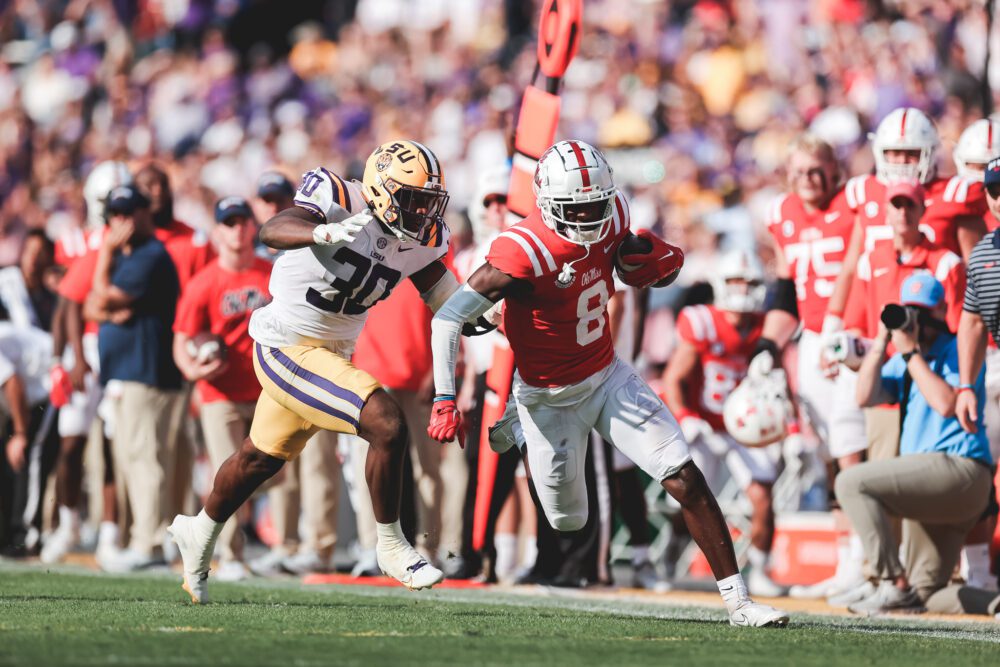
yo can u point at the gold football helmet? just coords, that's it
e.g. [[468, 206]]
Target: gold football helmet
[[404, 184]]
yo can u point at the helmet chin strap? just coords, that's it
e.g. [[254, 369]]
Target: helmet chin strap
[[566, 275]]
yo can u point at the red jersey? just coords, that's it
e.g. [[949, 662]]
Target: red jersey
[[78, 281], [946, 200], [76, 242], [221, 301], [813, 244], [559, 332], [189, 249], [881, 274], [724, 351]]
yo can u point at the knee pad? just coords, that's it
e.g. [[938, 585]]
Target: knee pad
[[567, 523]]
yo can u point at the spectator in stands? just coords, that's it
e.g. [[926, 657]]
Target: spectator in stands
[[940, 482], [134, 297], [219, 300]]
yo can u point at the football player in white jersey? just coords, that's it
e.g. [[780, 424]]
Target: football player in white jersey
[[346, 248]]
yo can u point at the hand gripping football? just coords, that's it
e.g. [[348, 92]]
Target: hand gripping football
[[644, 260]]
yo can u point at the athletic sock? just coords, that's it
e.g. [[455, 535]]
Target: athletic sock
[[734, 591], [207, 528], [107, 535], [530, 552], [390, 537], [975, 567], [506, 546], [640, 554], [69, 518]]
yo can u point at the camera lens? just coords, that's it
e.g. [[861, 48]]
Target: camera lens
[[894, 316]]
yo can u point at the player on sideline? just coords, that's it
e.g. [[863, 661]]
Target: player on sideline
[[554, 271], [347, 248]]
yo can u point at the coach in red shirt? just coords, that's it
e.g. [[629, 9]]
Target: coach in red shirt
[[880, 275], [219, 299]]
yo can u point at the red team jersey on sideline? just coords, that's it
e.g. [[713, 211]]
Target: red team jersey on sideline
[[945, 198], [559, 334], [880, 276], [813, 245], [189, 249], [724, 352], [221, 301], [76, 242]]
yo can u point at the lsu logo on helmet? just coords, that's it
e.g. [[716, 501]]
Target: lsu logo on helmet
[[404, 184]]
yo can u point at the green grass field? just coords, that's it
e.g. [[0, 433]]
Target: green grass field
[[67, 617]]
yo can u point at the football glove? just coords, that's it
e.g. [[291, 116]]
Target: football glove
[[649, 268], [343, 232], [61, 386], [446, 421]]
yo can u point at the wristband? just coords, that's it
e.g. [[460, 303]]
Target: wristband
[[964, 387], [444, 397], [909, 355]]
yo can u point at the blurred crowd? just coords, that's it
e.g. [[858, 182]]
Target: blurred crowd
[[694, 102]]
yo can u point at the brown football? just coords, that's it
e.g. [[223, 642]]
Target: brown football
[[206, 347]]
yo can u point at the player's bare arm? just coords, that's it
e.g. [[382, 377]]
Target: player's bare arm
[[971, 356], [969, 229], [683, 364], [296, 227], [870, 391]]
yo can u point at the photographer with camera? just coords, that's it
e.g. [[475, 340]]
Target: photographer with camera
[[900, 250], [940, 482]]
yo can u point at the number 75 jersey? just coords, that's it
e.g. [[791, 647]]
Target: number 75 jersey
[[321, 294], [813, 244]]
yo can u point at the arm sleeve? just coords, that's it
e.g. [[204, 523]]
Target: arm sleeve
[[442, 290], [892, 377], [323, 193], [446, 330], [509, 253]]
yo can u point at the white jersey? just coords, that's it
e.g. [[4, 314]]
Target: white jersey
[[323, 293], [25, 352]]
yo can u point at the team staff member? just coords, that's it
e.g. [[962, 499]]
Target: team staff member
[[940, 482], [134, 297], [879, 276], [219, 299]]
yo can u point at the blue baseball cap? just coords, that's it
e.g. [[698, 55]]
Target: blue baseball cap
[[992, 174], [274, 183], [228, 207], [921, 289], [124, 200]]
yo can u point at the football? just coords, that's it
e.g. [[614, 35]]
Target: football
[[636, 244], [205, 347]]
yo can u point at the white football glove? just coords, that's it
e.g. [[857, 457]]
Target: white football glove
[[694, 428], [761, 365], [343, 232]]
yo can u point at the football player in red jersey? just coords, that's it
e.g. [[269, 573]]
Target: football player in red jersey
[[905, 147], [811, 226], [554, 272], [710, 361]]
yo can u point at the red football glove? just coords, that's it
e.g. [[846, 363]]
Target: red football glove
[[446, 421], [61, 388], [659, 265]]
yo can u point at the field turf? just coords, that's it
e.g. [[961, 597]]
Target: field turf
[[70, 617]]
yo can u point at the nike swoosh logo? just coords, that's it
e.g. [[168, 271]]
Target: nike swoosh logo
[[406, 249], [608, 247], [830, 217], [881, 272]]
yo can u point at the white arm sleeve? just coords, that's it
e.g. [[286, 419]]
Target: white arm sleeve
[[436, 296], [446, 331]]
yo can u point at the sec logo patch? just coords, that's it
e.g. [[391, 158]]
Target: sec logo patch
[[871, 209]]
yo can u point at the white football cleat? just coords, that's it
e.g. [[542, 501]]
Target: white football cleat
[[501, 434], [58, 544], [755, 615], [196, 556], [232, 570], [408, 567], [828, 587]]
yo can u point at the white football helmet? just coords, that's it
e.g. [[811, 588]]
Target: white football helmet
[[907, 129], [979, 143], [737, 297], [103, 178], [574, 173], [757, 412]]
